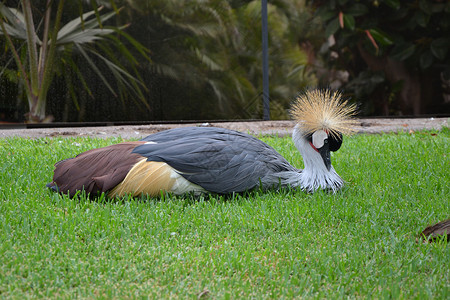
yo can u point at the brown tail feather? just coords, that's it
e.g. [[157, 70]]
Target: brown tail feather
[[96, 170]]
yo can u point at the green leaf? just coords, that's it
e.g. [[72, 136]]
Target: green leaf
[[426, 59], [86, 36], [114, 6], [331, 4], [16, 22], [402, 51], [95, 68], [325, 14], [120, 74], [81, 32], [208, 61], [137, 45], [11, 75], [425, 6], [395, 4], [422, 19], [332, 27], [439, 47], [349, 22], [357, 10], [73, 25], [381, 37], [75, 70]]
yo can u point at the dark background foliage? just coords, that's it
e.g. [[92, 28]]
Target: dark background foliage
[[396, 53], [390, 56]]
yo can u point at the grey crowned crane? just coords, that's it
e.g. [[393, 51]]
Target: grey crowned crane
[[215, 160]]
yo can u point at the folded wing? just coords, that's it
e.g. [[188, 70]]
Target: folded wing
[[219, 160]]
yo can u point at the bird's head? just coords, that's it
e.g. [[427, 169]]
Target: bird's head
[[322, 119], [321, 142]]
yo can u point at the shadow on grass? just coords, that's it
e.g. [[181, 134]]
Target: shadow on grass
[[188, 199]]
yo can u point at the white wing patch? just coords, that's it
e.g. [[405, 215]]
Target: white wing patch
[[182, 185]]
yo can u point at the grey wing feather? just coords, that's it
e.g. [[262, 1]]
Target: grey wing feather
[[219, 160], [187, 133]]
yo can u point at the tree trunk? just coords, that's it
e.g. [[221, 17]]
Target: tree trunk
[[36, 112]]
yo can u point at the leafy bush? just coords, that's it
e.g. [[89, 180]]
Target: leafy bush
[[396, 52]]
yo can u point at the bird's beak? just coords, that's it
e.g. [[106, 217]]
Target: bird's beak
[[324, 151]]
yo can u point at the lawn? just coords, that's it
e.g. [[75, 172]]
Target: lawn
[[358, 243]]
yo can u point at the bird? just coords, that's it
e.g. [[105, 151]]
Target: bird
[[433, 232], [215, 160]]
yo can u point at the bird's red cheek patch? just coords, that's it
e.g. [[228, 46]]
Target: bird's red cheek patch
[[313, 147]]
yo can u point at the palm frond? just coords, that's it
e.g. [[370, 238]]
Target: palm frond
[[85, 36], [77, 26], [208, 61], [95, 68], [136, 45], [16, 24]]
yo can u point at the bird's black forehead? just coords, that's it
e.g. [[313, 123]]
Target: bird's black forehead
[[335, 142]]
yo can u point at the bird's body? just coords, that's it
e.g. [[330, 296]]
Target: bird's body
[[436, 231], [199, 160], [188, 159]]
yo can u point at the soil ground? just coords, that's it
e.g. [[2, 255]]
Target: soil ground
[[280, 128]]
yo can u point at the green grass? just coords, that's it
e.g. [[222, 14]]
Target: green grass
[[358, 243]]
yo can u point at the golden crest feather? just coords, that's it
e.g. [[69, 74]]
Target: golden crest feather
[[323, 110]]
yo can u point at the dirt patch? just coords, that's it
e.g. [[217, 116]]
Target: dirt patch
[[280, 128]]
